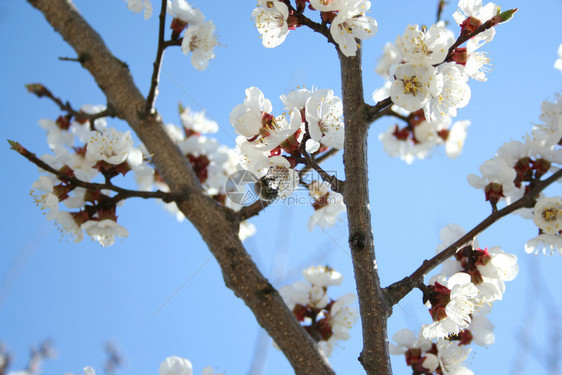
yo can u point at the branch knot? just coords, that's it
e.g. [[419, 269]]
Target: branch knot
[[358, 241]]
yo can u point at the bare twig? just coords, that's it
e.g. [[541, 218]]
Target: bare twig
[[41, 91], [378, 110], [440, 6], [335, 184], [75, 59], [492, 22], [153, 92], [320, 28], [251, 210], [400, 289]]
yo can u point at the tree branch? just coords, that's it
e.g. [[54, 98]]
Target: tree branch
[[335, 184], [492, 22], [255, 208], [378, 110], [92, 186], [314, 26], [153, 92], [400, 289], [216, 224], [41, 91], [372, 304]]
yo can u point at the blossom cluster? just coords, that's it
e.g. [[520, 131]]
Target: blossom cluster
[[426, 75], [272, 146], [173, 365], [83, 150], [87, 154], [459, 298], [347, 21], [327, 205], [419, 137], [519, 166], [211, 162], [198, 35], [326, 320]]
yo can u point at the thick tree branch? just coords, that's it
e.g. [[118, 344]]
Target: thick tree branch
[[216, 224], [373, 308], [400, 289]]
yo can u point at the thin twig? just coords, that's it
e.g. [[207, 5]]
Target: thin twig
[[320, 28], [336, 184], [400, 289], [440, 6], [376, 111], [153, 92], [41, 91], [75, 59], [92, 186], [388, 111], [492, 22]]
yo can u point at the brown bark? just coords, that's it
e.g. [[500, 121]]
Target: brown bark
[[217, 225], [372, 304]]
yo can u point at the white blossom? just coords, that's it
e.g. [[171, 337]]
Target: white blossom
[[184, 11], [558, 63], [44, 197], [109, 145], [343, 317], [197, 121], [458, 309], [328, 5], [494, 171], [390, 57], [406, 340], [324, 113], [247, 117], [451, 358], [413, 85], [351, 23], [137, 6], [175, 366], [104, 231], [200, 40], [327, 207], [322, 276], [482, 330], [246, 230], [426, 46], [474, 8], [453, 93], [544, 243], [271, 22], [548, 215], [455, 140]]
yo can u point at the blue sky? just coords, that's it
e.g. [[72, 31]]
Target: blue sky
[[82, 295]]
